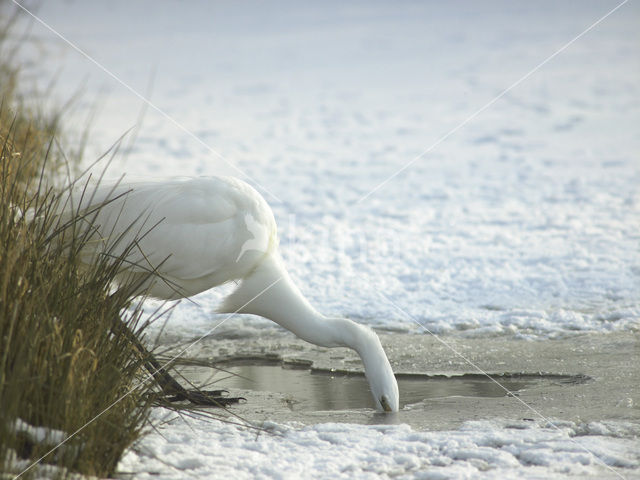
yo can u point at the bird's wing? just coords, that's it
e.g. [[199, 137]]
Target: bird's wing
[[184, 229]]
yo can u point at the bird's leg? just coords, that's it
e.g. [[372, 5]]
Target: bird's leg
[[169, 385]]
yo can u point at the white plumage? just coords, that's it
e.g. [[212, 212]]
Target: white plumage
[[200, 233]]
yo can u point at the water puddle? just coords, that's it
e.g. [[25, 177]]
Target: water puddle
[[308, 389]]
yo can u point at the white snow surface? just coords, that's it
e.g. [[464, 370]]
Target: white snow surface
[[520, 219], [422, 171], [479, 449]]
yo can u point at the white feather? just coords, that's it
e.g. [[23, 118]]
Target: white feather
[[191, 231], [199, 233]]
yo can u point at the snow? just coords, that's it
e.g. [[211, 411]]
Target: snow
[[522, 221], [44, 436], [480, 449], [407, 195], [38, 434]]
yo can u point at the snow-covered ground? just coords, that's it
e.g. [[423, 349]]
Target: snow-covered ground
[[496, 450], [422, 170]]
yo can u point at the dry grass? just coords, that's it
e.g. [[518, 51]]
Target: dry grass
[[61, 364]]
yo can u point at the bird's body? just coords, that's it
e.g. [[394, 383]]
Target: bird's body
[[191, 230], [196, 234]]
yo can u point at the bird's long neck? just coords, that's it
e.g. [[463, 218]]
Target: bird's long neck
[[270, 292]]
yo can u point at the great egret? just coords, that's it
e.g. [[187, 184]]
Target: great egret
[[199, 233]]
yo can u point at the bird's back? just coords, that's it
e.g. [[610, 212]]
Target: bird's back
[[195, 233]]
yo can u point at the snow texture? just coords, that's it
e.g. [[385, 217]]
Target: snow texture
[[481, 449], [423, 173], [523, 220]]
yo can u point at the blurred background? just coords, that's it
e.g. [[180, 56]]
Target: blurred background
[[421, 168]]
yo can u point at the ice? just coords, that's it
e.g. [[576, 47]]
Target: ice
[[402, 201]]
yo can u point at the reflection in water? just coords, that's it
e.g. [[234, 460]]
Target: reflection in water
[[311, 391]]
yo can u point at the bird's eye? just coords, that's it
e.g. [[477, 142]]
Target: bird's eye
[[384, 403]]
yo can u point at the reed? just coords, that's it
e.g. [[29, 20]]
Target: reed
[[63, 366]]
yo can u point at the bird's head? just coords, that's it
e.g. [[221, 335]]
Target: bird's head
[[384, 387], [382, 381]]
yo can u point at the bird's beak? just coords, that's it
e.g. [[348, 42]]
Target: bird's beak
[[385, 404]]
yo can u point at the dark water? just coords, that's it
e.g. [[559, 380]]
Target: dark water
[[323, 390]]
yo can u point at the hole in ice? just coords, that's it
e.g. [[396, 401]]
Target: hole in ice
[[316, 389]]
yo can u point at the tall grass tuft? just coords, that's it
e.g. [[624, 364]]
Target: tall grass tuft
[[64, 368]]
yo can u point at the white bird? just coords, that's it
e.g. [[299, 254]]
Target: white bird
[[199, 233]]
